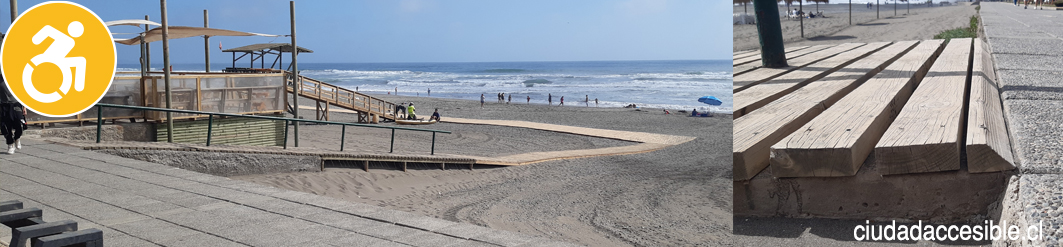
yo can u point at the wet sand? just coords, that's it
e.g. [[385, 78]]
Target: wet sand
[[921, 24], [680, 195]]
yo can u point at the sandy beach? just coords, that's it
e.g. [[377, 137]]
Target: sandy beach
[[923, 23], [678, 196]]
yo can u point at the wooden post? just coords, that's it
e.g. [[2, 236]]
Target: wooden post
[[850, 12], [366, 165], [166, 71], [14, 10], [770, 33], [147, 47], [801, 8], [298, 87], [206, 42]]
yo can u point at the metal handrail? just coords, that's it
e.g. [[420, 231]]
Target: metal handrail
[[210, 123]]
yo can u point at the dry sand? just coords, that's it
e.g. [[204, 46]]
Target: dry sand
[[923, 23], [678, 196]]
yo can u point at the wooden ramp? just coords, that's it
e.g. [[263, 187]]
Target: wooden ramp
[[328, 95], [838, 141], [748, 64], [753, 77], [758, 95], [754, 55], [925, 137], [917, 106], [755, 133], [988, 143], [647, 142]]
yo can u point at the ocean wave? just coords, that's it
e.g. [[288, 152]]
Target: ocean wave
[[503, 71], [532, 82]]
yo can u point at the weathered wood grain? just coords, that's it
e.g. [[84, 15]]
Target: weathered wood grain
[[758, 95], [837, 142], [791, 57], [926, 135], [759, 75], [791, 52], [755, 133], [988, 143]]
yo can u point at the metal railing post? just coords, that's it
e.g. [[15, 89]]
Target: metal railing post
[[285, 134], [392, 141], [210, 127], [433, 143], [99, 122], [343, 137]]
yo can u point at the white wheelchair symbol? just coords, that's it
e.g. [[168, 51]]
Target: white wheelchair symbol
[[56, 54]]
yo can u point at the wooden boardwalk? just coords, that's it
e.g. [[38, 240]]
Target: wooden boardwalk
[[915, 106], [326, 95]]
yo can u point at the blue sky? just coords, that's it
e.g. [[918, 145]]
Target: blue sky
[[374, 31]]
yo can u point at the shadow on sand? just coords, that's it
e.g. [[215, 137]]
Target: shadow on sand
[[839, 37]]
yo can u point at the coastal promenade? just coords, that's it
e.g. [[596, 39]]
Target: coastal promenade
[[1025, 45], [138, 203]]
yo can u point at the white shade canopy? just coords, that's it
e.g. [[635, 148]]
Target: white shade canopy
[[177, 32]]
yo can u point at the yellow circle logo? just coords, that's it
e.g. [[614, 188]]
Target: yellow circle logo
[[58, 59]]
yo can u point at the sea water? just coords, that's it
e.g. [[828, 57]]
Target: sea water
[[652, 84]]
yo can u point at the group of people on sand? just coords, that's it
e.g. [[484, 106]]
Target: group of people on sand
[[410, 113], [549, 99], [801, 14]]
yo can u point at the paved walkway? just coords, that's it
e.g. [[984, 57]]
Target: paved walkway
[[1026, 46], [138, 203]]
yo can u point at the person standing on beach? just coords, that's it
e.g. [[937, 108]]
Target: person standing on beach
[[587, 100], [529, 99], [510, 99], [429, 92], [400, 109], [562, 101], [549, 99], [482, 99], [595, 102]]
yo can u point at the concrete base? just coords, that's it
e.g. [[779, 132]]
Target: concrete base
[[937, 197]]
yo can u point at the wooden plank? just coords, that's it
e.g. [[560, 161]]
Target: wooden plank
[[988, 143], [926, 135], [742, 81], [791, 52], [754, 97], [755, 133], [752, 53], [838, 141]]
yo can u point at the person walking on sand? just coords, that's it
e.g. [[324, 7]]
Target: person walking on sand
[[510, 99], [482, 99], [587, 100], [562, 101]]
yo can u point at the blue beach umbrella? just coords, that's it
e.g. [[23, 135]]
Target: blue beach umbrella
[[711, 100]]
